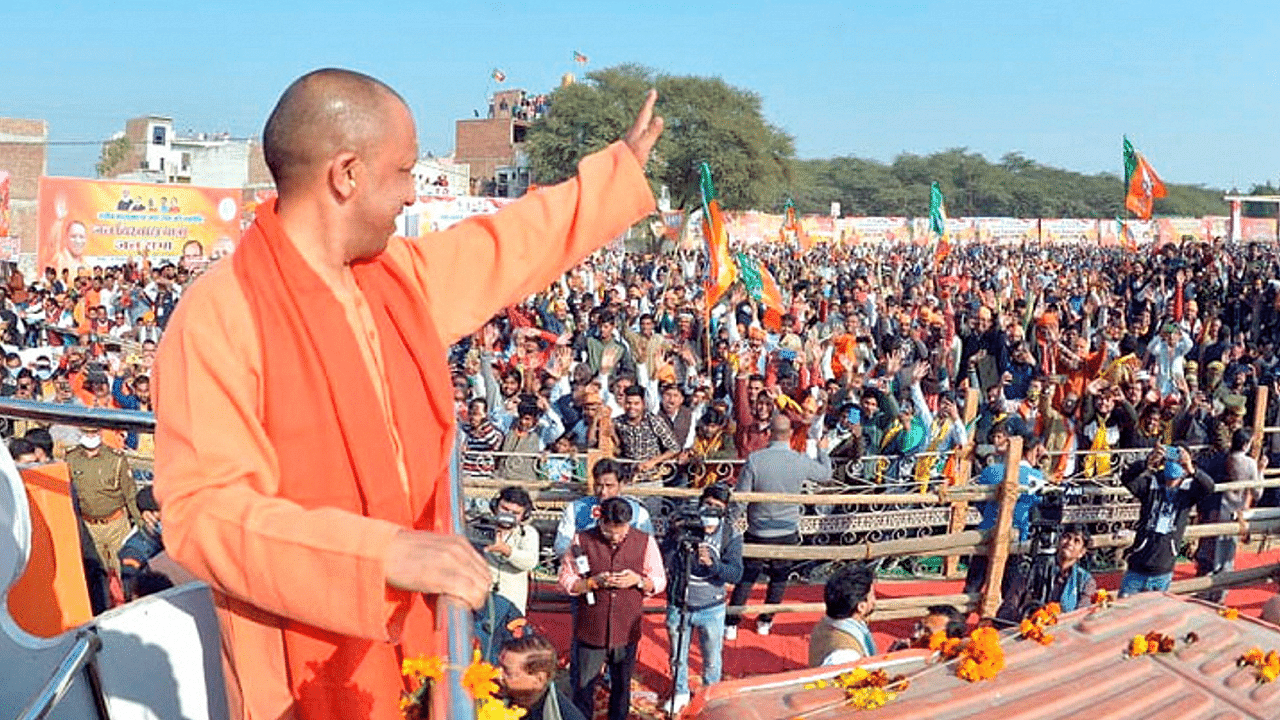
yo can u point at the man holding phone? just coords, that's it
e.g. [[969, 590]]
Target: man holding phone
[[614, 567]]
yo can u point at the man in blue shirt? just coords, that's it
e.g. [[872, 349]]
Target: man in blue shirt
[[1031, 480], [584, 513]]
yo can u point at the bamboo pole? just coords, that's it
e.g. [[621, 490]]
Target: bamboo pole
[[1259, 420], [959, 508], [1233, 578], [1009, 491]]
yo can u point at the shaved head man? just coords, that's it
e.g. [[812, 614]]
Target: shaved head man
[[774, 469], [304, 403]]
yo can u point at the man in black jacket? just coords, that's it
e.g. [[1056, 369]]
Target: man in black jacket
[[712, 560], [1168, 485]]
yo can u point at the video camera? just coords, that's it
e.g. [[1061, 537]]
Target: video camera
[[482, 530], [685, 526], [1045, 529]]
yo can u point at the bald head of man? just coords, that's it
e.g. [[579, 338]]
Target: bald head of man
[[780, 427], [341, 146]]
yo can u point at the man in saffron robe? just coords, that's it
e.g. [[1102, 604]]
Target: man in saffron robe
[[304, 401]]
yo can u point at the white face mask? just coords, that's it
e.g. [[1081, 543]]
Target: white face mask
[[710, 523], [90, 441]]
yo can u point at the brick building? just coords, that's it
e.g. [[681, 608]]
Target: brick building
[[24, 155], [494, 146]]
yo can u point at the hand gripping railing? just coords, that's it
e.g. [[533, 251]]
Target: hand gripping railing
[[450, 699]]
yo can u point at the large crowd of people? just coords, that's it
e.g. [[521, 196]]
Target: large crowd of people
[[889, 356]]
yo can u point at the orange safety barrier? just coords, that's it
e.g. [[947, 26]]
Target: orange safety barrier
[[51, 596]]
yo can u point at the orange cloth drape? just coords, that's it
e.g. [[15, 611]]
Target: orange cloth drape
[[295, 556]]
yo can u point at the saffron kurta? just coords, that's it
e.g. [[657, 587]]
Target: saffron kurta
[[267, 556]]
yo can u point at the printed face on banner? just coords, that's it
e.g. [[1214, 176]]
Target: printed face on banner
[[91, 222]]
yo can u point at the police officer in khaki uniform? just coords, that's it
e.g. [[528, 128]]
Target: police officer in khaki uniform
[[106, 494]]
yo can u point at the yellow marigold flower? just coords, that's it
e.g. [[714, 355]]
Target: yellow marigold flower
[[1230, 613], [480, 680], [1138, 646], [423, 668], [492, 709]]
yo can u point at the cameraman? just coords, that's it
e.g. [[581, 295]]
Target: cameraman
[[1072, 586], [514, 550], [710, 541], [1168, 485]]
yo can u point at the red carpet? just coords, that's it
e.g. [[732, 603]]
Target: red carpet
[[787, 646]]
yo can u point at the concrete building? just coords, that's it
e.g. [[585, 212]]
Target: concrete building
[[441, 177], [156, 153], [24, 155], [493, 146]]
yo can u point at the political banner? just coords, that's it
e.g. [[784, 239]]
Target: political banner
[[818, 229], [752, 227], [433, 214], [1008, 231], [960, 231], [1258, 229], [1175, 231], [1069, 230], [873, 230], [96, 222]]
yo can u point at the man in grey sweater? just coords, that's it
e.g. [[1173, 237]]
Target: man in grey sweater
[[774, 469]]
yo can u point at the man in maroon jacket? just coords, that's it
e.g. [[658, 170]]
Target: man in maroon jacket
[[614, 567]]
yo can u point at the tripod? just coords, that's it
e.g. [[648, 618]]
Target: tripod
[[1041, 567], [688, 554]]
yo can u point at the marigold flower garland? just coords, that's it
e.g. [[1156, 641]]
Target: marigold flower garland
[[1033, 628], [480, 679], [865, 689], [981, 658], [1268, 665]]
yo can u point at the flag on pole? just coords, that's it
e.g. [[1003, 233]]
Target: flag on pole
[[764, 289], [791, 227], [722, 270], [1142, 185], [579, 58], [1127, 240], [938, 222], [499, 76]]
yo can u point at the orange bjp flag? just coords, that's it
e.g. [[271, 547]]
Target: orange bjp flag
[[722, 270], [1142, 185]]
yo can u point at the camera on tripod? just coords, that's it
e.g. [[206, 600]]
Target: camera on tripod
[[686, 528], [1045, 529]]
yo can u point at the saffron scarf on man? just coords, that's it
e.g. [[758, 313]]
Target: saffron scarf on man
[[329, 430]]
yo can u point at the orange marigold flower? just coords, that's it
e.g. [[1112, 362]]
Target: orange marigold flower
[[1253, 656], [1101, 597], [1268, 673], [480, 679], [937, 641], [1230, 613], [1054, 609]]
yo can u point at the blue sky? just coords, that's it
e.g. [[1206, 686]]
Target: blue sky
[[1190, 82]]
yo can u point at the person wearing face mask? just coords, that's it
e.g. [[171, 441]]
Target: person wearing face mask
[[107, 495], [699, 604], [514, 550]]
